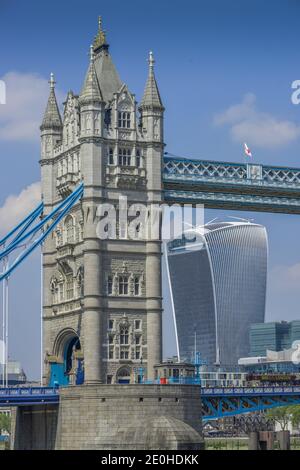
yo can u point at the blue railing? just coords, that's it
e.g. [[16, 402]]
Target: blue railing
[[31, 396], [249, 391]]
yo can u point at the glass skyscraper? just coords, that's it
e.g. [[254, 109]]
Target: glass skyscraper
[[273, 337], [218, 277]]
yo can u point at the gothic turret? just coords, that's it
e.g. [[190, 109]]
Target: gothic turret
[[52, 118], [151, 98], [51, 128], [91, 103], [51, 137], [90, 92], [151, 107]]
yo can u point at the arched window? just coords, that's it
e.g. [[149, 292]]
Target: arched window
[[137, 286], [124, 336], [70, 286], [69, 228]]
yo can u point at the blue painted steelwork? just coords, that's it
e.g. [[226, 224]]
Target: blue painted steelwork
[[28, 396], [231, 186], [223, 402], [55, 216], [24, 224], [216, 402]]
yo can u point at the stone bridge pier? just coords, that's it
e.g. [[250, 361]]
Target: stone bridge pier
[[114, 417]]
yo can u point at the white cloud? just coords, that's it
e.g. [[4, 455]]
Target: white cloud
[[16, 207], [248, 124], [26, 99], [285, 279]]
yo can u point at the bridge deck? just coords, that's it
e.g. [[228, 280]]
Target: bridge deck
[[216, 402], [232, 186], [28, 396]]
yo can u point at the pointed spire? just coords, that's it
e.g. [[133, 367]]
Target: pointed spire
[[100, 39], [151, 96], [52, 118], [91, 91]]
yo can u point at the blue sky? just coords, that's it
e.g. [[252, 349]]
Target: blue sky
[[224, 69]]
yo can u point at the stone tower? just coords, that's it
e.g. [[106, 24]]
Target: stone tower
[[102, 297]]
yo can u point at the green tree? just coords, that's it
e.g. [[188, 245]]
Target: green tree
[[4, 423], [285, 415]]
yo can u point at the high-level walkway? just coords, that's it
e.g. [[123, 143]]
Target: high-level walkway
[[232, 186]]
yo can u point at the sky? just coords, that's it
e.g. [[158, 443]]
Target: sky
[[225, 70]]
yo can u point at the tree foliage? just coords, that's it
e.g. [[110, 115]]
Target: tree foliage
[[284, 415], [4, 423]]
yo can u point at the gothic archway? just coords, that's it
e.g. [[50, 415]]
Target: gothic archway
[[123, 376], [67, 367]]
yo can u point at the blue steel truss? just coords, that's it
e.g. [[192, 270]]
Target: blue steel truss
[[224, 402], [232, 186]]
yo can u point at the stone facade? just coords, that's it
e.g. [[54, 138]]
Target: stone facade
[[104, 294]]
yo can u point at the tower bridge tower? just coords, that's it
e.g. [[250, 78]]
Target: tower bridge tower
[[102, 306]]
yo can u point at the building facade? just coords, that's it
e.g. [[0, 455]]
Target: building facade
[[102, 297], [218, 286], [276, 336]]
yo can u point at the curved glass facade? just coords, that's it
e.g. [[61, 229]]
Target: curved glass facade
[[218, 284]]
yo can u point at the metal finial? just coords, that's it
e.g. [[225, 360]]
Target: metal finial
[[52, 81], [151, 60], [100, 39]]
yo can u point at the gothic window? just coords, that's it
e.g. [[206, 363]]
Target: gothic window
[[124, 336], [137, 325], [123, 285], [60, 292], [59, 240], [111, 325], [54, 290], [137, 286], [138, 158], [124, 157], [137, 340], [111, 353], [107, 118], [70, 287], [111, 340], [138, 353], [69, 228], [124, 120], [124, 355], [111, 156], [110, 283]]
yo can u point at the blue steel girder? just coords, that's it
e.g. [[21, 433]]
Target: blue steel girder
[[27, 396], [221, 407], [232, 186]]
